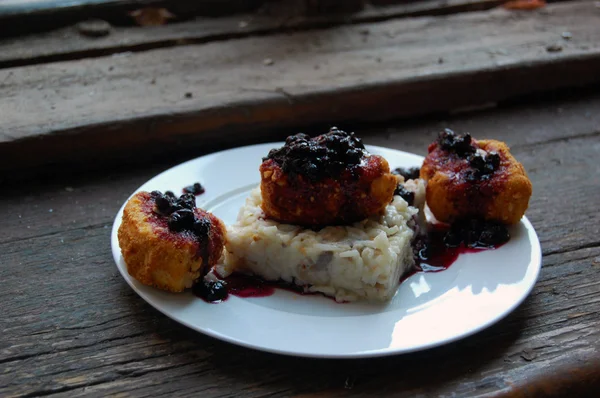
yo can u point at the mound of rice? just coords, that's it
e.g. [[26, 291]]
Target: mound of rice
[[363, 261]]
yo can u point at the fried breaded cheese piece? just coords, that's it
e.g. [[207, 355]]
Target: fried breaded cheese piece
[[160, 257], [467, 178], [327, 180]]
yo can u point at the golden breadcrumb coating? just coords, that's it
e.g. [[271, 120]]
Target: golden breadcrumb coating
[[452, 195], [156, 256], [330, 179], [354, 196]]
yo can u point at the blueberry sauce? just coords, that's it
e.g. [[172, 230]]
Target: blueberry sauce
[[195, 189], [327, 155], [443, 244], [408, 174], [211, 291], [183, 217], [476, 234], [407, 195], [459, 144], [249, 286], [180, 213], [482, 164], [240, 285], [245, 286]]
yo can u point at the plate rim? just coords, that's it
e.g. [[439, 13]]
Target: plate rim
[[535, 262]]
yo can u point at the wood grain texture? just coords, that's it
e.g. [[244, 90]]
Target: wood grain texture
[[67, 43], [101, 109], [74, 201], [72, 327], [18, 17]]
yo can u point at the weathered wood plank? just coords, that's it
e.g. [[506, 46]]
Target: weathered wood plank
[[71, 326], [17, 18], [77, 201], [98, 110], [21, 17], [67, 43], [29, 7], [99, 337]]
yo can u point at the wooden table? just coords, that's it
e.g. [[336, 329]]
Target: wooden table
[[75, 116]]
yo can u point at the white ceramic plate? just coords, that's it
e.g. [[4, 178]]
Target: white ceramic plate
[[429, 309]]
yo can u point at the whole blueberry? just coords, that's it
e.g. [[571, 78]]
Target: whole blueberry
[[196, 189], [181, 220], [201, 227], [477, 162], [211, 291], [164, 205], [459, 144], [453, 238], [187, 201], [493, 159], [493, 234], [405, 194], [408, 174]]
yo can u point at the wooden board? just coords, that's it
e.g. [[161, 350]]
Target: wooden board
[[99, 110], [71, 326], [18, 17], [68, 43], [83, 205]]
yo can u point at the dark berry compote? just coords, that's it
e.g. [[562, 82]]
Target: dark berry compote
[[411, 173], [195, 189], [442, 244], [327, 155], [327, 180], [187, 221], [215, 290]]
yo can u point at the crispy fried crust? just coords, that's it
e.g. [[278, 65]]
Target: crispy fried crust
[[356, 195], [158, 257], [450, 196]]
